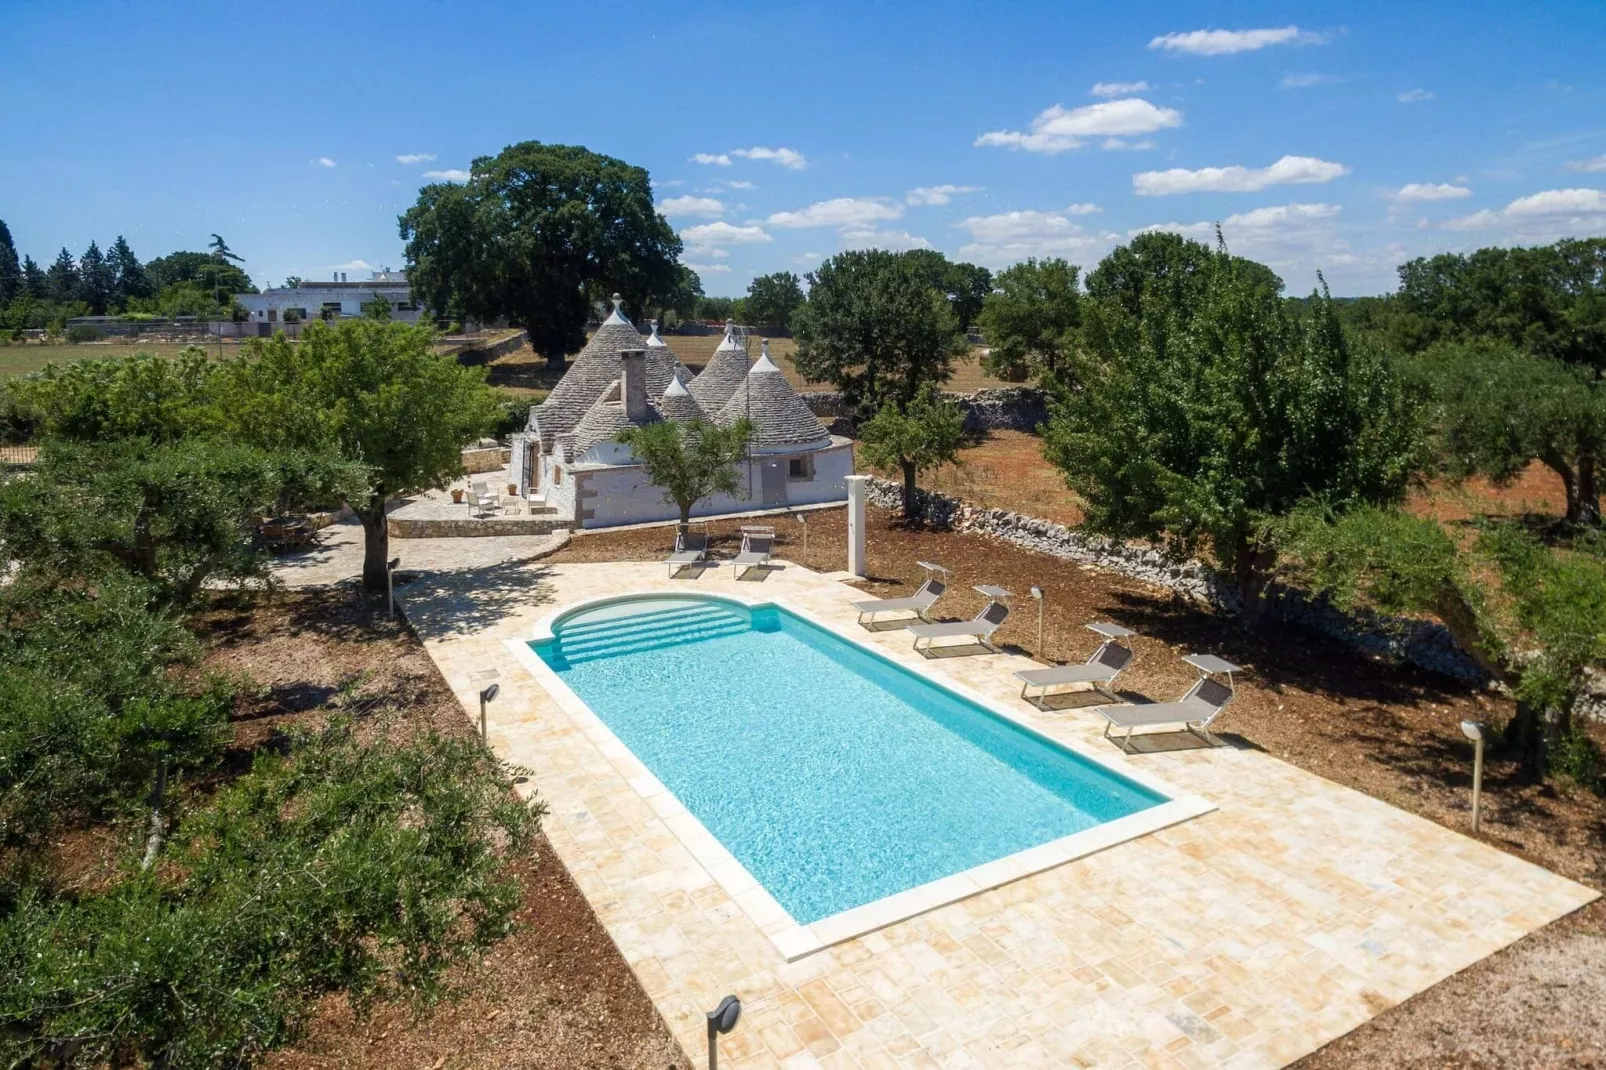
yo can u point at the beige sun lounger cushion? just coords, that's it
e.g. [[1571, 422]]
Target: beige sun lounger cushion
[[1102, 668], [917, 603]]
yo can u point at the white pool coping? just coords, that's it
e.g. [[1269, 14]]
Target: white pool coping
[[792, 939]]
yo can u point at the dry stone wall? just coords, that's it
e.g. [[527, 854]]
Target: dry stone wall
[[1424, 643]]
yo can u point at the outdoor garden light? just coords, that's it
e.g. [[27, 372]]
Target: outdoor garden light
[[1475, 732], [1037, 596], [722, 1019], [390, 585], [486, 697]]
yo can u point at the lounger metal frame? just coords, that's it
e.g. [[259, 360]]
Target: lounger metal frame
[[996, 597], [1112, 633]]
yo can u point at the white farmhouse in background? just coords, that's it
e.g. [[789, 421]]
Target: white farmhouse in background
[[333, 299], [569, 459]]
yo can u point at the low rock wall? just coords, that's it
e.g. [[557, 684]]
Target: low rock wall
[[1423, 643], [487, 459]]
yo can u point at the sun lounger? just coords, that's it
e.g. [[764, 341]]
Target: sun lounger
[[1100, 670], [1194, 711], [918, 603], [980, 627], [691, 548], [755, 553]]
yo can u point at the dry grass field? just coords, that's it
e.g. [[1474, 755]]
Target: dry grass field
[[20, 359]]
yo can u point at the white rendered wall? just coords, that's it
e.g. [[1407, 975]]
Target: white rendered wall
[[622, 495]]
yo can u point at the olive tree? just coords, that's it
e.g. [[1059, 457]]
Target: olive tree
[[920, 436], [373, 392], [690, 462], [1201, 437]]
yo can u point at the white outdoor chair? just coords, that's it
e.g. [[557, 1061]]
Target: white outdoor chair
[[1100, 670]]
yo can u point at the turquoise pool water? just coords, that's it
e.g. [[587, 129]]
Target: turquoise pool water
[[836, 777]]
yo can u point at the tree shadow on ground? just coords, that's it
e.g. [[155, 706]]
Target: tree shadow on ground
[[1283, 659], [462, 601]]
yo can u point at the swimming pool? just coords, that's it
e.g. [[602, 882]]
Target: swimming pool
[[834, 776]]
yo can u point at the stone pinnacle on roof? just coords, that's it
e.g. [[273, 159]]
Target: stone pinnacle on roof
[[678, 405], [781, 418], [660, 350], [722, 374], [594, 370]]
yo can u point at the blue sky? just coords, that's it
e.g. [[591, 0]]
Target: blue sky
[[1344, 138]]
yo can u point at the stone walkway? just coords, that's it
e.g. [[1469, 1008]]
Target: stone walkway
[[1245, 937], [337, 557]]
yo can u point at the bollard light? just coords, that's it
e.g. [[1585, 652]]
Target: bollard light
[[486, 697], [1037, 596], [1475, 731], [390, 585], [722, 1019]]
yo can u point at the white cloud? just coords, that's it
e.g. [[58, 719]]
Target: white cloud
[[1113, 144], [324, 161], [1429, 191], [934, 195], [1008, 237], [1227, 42], [1119, 89], [451, 174], [1290, 170], [1307, 80], [1059, 128], [741, 184], [1085, 208], [788, 158], [354, 265], [1590, 166], [1552, 213], [415, 157], [1415, 96], [896, 241], [725, 234], [689, 205], [705, 269], [718, 159], [714, 251], [840, 212]]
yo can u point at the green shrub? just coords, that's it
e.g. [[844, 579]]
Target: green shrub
[[371, 869], [1575, 756], [513, 417]]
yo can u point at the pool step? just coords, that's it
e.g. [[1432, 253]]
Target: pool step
[[655, 630]]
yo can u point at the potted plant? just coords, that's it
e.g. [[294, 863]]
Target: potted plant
[[457, 495], [512, 490]]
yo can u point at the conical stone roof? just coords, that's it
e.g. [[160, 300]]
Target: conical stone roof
[[678, 405], [594, 370], [659, 350], [605, 419], [722, 374], [781, 418]]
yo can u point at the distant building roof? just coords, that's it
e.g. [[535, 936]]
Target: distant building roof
[[780, 417]]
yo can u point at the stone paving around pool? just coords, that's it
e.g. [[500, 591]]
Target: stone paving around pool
[[1246, 937]]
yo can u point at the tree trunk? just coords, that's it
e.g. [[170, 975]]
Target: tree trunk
[[1569, 481], [1252, 572], [376, 543], [556, 362], [1588, 493], [685, 518], [909, 488], [1532, 731]]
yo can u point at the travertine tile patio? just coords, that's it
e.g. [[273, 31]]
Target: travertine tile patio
[[1246, 937]]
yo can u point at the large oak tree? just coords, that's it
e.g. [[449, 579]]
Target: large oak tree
[[535, 236]]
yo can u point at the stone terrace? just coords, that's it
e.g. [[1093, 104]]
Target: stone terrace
[[1246, 937]]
